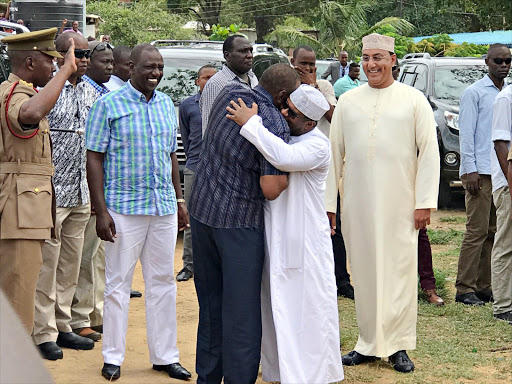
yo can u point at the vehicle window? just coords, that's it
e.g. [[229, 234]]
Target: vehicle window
[[408, 78], [180, 74], [450, 82], [421, 78], [262, 62]]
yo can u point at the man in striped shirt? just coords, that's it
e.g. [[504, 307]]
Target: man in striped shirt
[[135, 187]]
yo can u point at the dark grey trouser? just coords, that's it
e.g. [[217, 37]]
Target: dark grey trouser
[[188, 259]]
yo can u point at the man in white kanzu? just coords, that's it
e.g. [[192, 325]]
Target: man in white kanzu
[[383, 140], [300, 342]]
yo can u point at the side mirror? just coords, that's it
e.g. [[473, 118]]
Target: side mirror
[[432, 104]]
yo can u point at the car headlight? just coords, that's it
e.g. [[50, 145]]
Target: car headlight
[[452, 119], [451, 158]]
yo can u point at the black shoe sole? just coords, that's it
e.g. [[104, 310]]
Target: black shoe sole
[[78, 348], [110, 377], [52, 357], [161, 368]]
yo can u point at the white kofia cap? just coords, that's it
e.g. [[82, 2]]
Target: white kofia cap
[[376, 41], [310, 101]]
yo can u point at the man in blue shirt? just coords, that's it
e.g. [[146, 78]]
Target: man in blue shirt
[[135, 188], [473, 282], [226, 207], [346, 83], [192, 137]]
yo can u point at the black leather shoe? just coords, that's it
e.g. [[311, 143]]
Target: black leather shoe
[[507, 316], [50, 351], [176, 371], [135, 294], [111, 371], [346, 291], [485, 296], [355, 358], [468, 299], [184, 275], [401, 362], [73, 341]]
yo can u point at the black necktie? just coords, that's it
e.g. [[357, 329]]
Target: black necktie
[[342, 71]]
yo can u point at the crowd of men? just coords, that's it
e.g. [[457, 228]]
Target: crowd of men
[[267, 231]]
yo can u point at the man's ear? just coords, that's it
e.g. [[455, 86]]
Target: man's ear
[[310, 125], [29, 63], [281, 97], [197, 81]]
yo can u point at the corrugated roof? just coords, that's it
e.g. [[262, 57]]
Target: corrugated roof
[[480, 38]]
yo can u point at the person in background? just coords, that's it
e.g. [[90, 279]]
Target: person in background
[[121, 72], [237, 69], [501, 255], [191, 135], [473, 283], [346, 83], [87, 307], [337, 69], [74, 27]]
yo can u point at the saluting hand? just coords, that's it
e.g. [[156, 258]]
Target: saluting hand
[[69, 59], [241, 114]]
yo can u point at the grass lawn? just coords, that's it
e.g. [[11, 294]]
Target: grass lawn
[[456, 343]]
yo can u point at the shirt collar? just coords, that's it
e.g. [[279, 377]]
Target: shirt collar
[[232, 75], [139, 95], [489, 83]]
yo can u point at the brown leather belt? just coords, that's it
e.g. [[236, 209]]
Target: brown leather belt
[[26, 168]]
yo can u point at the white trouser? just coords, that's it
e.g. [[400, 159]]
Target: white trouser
[[152, 239]]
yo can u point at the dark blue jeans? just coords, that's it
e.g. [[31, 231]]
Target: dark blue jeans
[[228, 266]]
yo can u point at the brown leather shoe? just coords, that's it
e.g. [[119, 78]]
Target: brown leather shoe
[[88, 333], [433, 298]]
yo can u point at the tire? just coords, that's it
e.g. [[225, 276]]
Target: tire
[[444, 199]]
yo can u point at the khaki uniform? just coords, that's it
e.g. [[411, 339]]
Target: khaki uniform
[[26, 197]]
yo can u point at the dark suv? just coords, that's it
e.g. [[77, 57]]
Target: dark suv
[[442, 80]]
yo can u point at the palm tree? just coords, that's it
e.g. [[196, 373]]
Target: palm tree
[[342, 25]]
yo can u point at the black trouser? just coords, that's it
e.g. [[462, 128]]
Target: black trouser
[[340, 253], [228, 267]]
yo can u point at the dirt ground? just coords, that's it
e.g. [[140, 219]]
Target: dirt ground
[[85, 366]]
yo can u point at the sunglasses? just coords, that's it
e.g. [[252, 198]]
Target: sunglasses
[[101, 47], [499, 60], [80, 53]]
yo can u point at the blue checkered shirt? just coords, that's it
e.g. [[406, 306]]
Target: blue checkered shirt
[[101, 89], [137, 137], [226, 192]]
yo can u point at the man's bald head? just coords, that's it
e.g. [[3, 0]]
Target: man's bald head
[[62, 43]]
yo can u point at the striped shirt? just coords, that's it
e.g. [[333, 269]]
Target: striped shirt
[[137, 137], [217, 83], [101, 89], [226, 192]]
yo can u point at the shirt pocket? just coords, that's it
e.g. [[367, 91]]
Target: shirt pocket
[[34, 199]]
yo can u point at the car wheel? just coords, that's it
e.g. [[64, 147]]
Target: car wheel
[[445, 195]]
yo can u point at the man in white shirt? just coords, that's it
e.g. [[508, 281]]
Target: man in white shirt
[[121, 72], [501, 255], [298, 286]]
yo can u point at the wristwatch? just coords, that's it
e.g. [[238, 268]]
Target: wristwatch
[[180, 201]]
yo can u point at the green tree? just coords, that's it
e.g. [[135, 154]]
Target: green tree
[[141, 22]]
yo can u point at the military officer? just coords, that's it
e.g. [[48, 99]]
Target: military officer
[[26, 169]]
